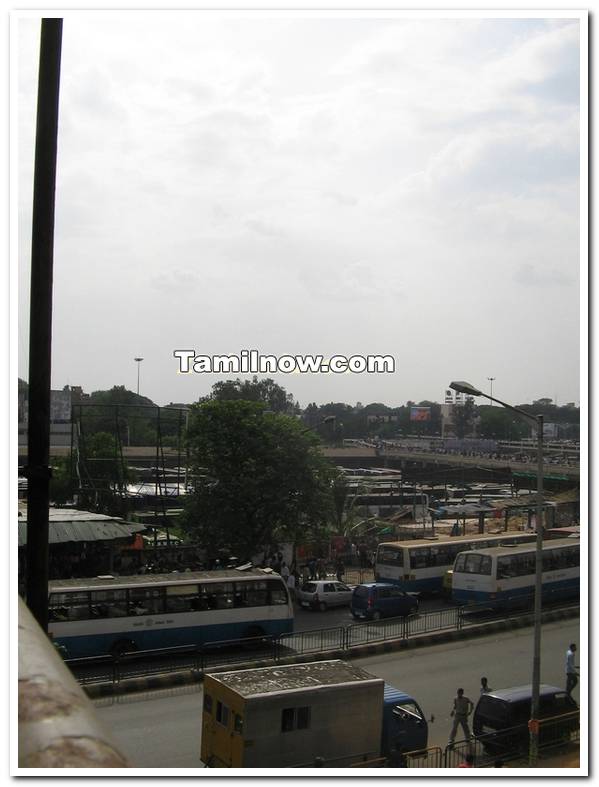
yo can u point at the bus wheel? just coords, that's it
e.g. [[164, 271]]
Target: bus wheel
[[123, 646], [253, 632], [322, 606]]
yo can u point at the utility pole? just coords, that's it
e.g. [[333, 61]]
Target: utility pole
[[138, 361], [40, 320]]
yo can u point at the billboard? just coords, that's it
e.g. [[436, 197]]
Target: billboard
[[420, 413]]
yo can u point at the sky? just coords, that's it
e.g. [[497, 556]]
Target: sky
[[327, 185]]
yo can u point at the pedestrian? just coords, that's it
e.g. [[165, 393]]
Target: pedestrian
[[312, 568], [284, 571], [340, 570], [291, 585], [321, 568], [571, 673], [462, 708], [468, 762], [484, 686]]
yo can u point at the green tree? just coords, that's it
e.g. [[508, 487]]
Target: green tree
[[61, 485], [501, 423], [103, 474], [132, 425], [463, 418], [260, 479], [271, 394]]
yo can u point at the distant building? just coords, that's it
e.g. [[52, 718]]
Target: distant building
[[381, 419], [60, 413]]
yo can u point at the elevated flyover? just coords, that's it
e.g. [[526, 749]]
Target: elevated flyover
[[369, 455], [365, 456]]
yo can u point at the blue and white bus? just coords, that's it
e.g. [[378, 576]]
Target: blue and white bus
[[505, 576], [116, 614], [419, 565]]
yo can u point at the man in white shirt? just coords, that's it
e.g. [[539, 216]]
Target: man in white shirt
[[291, 585], [571, 672]]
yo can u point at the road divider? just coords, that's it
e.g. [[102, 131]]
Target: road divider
[[344, 643]]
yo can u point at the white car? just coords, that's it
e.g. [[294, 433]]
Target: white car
[[324, 593]]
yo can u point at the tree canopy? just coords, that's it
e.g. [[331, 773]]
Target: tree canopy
[[266, 391], [260, 478]]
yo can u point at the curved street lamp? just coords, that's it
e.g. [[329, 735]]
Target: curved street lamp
[[533, 725]]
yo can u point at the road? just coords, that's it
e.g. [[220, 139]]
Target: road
[[162, 729]]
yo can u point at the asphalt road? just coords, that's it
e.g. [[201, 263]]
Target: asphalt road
[[162, 729]]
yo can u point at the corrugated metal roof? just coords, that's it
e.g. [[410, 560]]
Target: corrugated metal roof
[[78, 531]]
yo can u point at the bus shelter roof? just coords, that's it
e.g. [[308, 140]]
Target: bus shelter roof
[[69, 525]]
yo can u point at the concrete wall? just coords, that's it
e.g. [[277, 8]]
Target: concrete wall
[[58, 727]]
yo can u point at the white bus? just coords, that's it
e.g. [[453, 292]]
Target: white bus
[[116, 614], [505, 576], [419, 565]]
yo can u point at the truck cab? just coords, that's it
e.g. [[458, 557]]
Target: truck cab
[[404, 725]]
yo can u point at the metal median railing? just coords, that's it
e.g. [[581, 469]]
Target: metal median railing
[[199, 658], [315, 641]]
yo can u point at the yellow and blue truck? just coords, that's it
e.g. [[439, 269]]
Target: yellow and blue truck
[[291, 716]]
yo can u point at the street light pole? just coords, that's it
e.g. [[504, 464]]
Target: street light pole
[[138, 361], [536, 659], [490, 379], [326, 420], [533, 724]]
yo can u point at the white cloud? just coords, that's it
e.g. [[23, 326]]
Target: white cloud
[[310, 182]]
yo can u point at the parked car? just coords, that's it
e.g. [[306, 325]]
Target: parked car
[[501, 717], [322, 594], [381, 600]]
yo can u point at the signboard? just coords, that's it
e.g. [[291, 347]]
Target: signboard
[[420, 413]]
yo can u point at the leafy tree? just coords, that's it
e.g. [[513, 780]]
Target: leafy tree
[[132, 425], [463, 418], [261, 478], [271, 394], [101, 471], [500, 423], [61, 485]]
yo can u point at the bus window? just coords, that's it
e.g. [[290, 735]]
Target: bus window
[[251, 594], [420, 558], [220, 595], [75, 606], [477, 564], [390, 556], [181, 598], [109, 603], [146, 601], [278, 592], [503, 568]]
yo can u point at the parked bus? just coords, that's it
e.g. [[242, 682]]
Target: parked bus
[[117, 614], [419, 565], [505, 576]]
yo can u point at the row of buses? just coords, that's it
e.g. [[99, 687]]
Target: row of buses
[[496, 571], [109, 614]]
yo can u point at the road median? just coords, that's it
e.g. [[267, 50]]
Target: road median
[[189, 676]]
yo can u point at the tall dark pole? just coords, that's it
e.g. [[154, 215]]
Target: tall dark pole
[[40, 320], [533, 751]]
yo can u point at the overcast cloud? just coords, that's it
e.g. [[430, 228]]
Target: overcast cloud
[[391, 186]]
